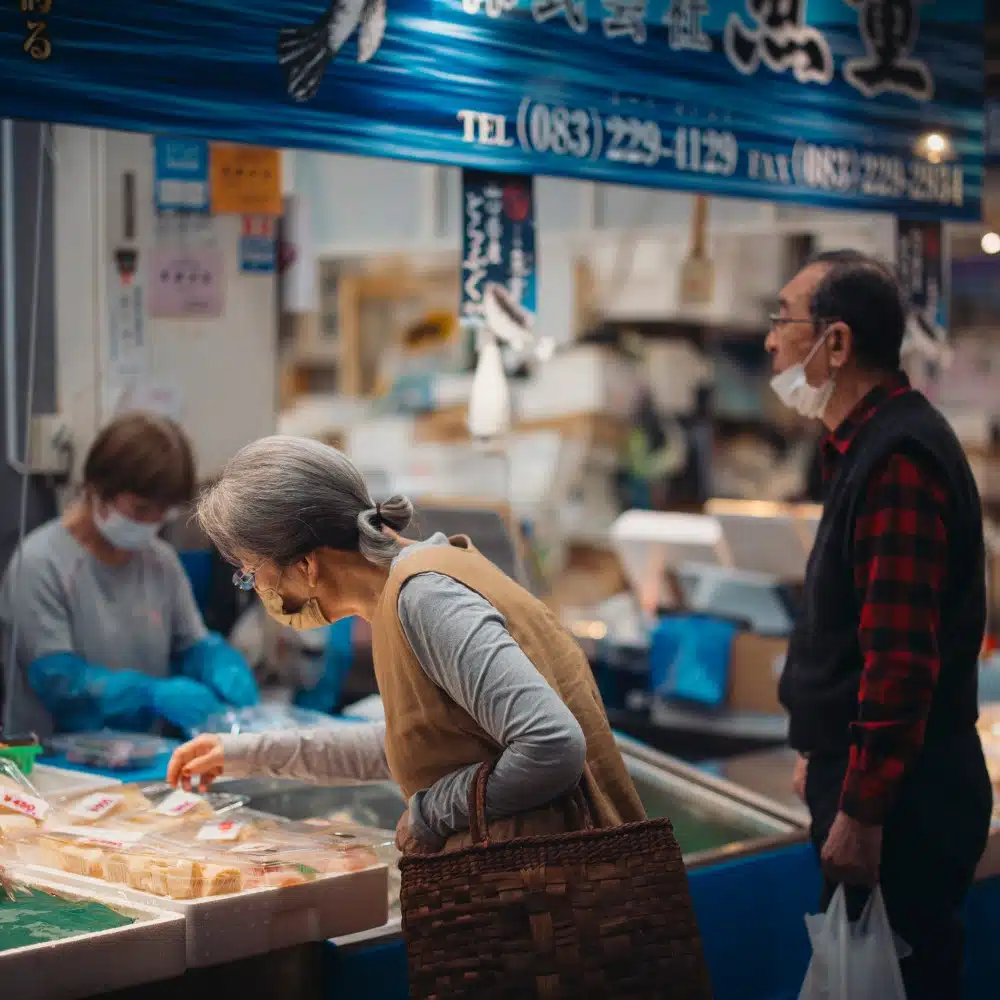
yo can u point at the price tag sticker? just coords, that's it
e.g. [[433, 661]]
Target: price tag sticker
[[26, 805], [224, 829], [178, 804], [95, 806]]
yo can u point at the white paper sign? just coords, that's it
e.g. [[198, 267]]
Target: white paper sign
[[26, 805], [127, 334], [95, 806], [178, 804], [224, 829]]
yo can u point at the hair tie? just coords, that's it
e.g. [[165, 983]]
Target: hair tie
[[378, 515]]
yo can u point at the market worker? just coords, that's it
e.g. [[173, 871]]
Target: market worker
[[470, 666], [105, 625], [881, 676]]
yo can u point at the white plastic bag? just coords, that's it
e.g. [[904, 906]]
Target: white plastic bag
[[857, 961]]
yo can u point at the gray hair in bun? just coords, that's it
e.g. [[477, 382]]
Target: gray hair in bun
[[283, 497]]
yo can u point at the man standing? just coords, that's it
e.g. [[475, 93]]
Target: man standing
[[881, 676]]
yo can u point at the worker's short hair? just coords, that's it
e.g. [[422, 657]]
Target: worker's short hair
[[143, 454]]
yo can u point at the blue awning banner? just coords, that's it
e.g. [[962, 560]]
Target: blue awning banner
[[855, 104]]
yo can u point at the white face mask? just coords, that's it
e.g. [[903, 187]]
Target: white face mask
[[121, 532], [794, 390]]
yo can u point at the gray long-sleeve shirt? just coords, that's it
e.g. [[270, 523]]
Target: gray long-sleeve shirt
[[462, 642]]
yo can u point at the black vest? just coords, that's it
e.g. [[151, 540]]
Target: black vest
[[822, 675]]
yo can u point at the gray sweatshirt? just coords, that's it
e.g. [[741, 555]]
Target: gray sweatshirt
[[462, 642]]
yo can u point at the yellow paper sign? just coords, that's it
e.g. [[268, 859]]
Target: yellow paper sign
[[246, 179]]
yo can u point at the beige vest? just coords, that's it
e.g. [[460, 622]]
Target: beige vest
[[429, 736]]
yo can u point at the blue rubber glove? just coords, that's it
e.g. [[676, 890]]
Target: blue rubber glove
[[85, 696], [184, 702], [215, 663], [338, 659]]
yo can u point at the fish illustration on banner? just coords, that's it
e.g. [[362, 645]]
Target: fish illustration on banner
[[304, 53], [498, 248]]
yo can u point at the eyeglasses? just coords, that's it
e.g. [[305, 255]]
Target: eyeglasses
[[245, 579], [777, 321]]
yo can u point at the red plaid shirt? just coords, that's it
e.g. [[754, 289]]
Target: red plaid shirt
[[900, 559]]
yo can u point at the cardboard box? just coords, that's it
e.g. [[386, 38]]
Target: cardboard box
[[754, 670]]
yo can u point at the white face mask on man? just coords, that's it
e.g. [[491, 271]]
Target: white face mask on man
[[793, 389], [123, 533]]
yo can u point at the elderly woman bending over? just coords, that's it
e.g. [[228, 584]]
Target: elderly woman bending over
[[470, 666]]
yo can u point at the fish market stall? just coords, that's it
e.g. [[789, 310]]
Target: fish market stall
[[243, 892]]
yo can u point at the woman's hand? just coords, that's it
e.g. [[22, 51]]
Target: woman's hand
[[406, 842], [203, 756]]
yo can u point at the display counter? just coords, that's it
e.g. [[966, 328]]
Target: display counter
[[752, 873]]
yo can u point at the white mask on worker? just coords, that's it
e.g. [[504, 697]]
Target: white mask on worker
[[123, 533], [792, 387]]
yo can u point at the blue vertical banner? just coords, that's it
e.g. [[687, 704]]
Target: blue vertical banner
[[498, 240], [867, 105], [922, 265], [180, 174]]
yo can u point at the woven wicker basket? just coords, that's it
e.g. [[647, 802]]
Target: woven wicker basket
[[591, 914]]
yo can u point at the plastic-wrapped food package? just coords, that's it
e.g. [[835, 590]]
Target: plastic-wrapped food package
[[146, 809], [270, 716], [137, 861], [335, 831], [110, 750]]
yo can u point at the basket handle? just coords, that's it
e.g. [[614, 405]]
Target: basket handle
[[578, 812]]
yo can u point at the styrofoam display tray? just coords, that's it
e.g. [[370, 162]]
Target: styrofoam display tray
[[227, 928], [92, 964]]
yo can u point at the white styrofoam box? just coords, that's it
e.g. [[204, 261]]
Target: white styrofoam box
[[590, 508], [149, 950], [62, 781], [674, 371], [382, 441], [452, 470], [321, 414], [227, 928], [542, 466], [451, 389], [581, 380], [650, 542]]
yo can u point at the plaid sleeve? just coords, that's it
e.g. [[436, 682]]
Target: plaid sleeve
[[900, 560]]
